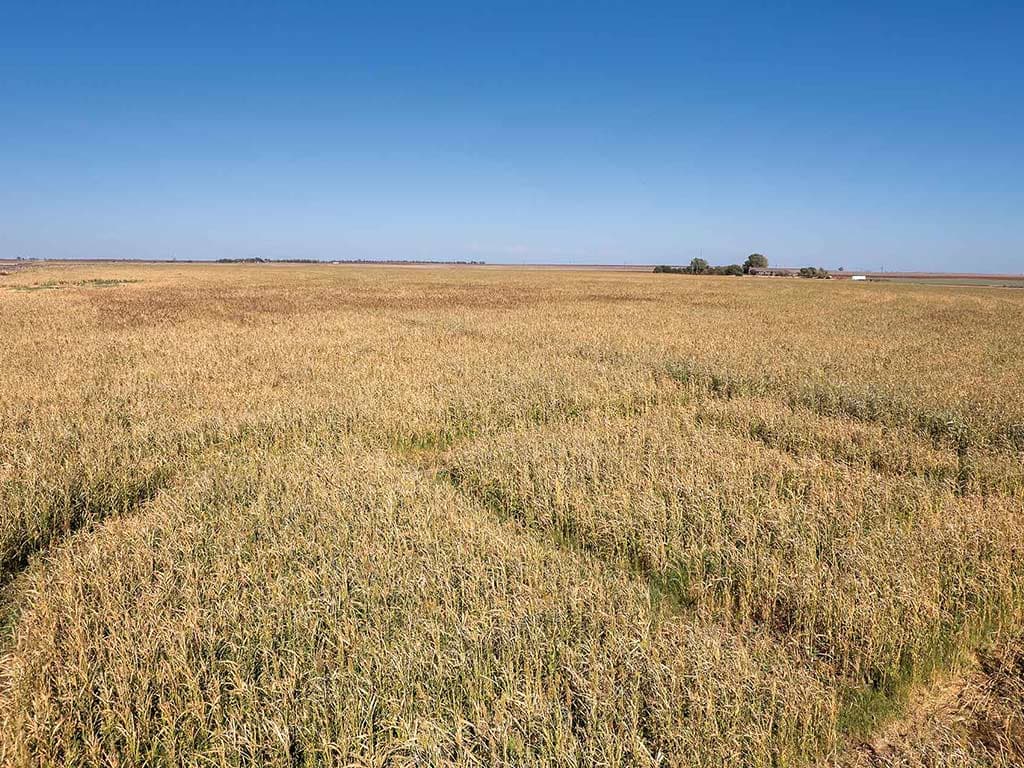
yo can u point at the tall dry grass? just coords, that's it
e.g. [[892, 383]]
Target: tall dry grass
[[322, 515]]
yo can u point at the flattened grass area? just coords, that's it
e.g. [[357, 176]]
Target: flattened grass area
[[307, 605], [321, 515]]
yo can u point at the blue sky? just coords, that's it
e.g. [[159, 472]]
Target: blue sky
[[858, 134]]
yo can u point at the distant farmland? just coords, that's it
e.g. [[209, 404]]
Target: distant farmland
[[924, 278], [384, 516], [927, 278]]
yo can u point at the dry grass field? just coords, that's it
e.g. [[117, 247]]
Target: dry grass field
[[379, 516]]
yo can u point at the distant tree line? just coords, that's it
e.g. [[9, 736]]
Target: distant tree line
[[258, 260], [754, 261], [406, 261], [701, 267]]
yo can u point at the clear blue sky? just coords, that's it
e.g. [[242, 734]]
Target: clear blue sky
[[858, 134]]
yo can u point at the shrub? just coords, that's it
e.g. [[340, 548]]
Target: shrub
[[815, 272]]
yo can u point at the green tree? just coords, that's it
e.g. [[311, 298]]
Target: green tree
[[698, 266], [755, 260]]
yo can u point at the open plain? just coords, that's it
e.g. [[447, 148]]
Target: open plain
[[336, 515]]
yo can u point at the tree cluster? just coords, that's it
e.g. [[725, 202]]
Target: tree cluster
[[701, 267], [815, 272]]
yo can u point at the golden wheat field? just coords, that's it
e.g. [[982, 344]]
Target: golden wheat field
[[271, 515]]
